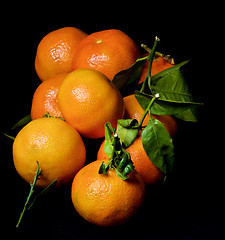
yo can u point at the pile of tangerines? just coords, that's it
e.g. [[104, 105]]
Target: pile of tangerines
[[78, 97]]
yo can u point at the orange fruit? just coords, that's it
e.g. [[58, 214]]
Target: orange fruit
[[55, 51], [44, 98], [88, 100], [56, 146], [109, 51], [133, 110], [150, 173], [106, 200], [159, 64]]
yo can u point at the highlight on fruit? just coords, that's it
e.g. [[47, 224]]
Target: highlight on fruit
[[133, 102]]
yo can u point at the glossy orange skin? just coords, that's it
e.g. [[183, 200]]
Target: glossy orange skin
[[159, 64], [106, 200], [150, 173], [109, 51], [133, 110], [44, 98], [55, 52], [88, 100], [57, 147]]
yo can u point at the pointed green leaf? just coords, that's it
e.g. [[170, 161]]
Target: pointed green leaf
[[158, 145], [128, 169], [124, 161], [129, 77], [104, 168], [109, 139], [8, 136], [119, 174], [126, 132], [161, 107], [189, 115], [169, 70], [22, 122], [171, 85]]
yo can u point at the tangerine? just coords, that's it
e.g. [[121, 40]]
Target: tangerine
[[106, 200], [109, 51], [55, 51], [56, 146], [88, 100], [150, 173], [44, 98], [133, 110]]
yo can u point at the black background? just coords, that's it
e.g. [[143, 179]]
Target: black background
[[191, 203]]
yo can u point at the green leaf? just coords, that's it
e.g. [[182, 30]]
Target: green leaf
[[109, 140], [172, 86], [130, 77], [124, 161], [126, 131], [161, 107], [104, 168], [128, 169], [158, 145], [8, 136], [22, 122], [190, 115], [119, 174]]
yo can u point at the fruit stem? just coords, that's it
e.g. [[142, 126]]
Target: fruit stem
[[150, 59], [167, 58], [111, 160], [37, 173]]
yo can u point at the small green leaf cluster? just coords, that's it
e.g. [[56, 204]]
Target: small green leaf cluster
[[119, 158]]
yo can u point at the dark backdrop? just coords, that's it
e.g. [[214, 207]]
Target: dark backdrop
[[190, 204]]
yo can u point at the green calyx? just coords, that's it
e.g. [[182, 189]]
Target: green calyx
[[119, 158]]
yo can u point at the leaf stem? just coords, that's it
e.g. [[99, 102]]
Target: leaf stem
[[148, 109], [37, 173]]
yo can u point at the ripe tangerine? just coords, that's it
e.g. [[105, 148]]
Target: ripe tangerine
[[88, 100], [109, 51], [55, 52], [106, 200], [44, 98], [56, 146]]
